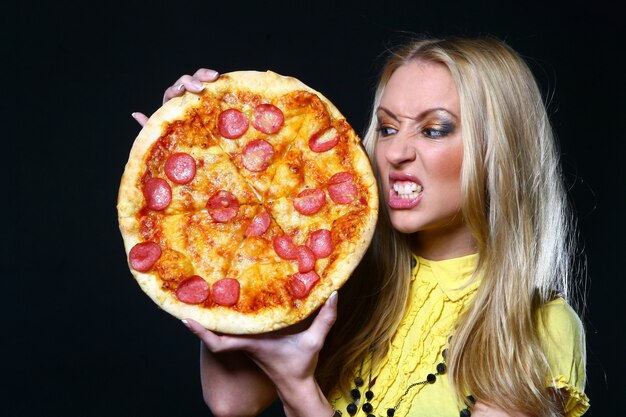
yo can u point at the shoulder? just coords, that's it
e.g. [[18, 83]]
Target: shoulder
[[558, 323], [562, 338]]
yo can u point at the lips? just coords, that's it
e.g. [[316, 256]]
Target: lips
[[405, 191]]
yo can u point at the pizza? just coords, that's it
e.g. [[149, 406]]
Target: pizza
[[245, 206]]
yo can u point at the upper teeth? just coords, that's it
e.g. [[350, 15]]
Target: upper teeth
[[407, 188]]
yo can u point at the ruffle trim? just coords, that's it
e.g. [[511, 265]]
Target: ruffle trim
[[577, 402]]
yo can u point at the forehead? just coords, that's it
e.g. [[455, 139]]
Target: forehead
[[420, 85]]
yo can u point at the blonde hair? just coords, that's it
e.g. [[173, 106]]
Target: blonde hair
[[514, 204]]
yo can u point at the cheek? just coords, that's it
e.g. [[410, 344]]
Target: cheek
[[446, 166]]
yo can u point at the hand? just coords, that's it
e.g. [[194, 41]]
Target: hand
[[191, 83], [286, 356]]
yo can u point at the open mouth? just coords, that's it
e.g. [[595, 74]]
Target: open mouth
[[407, 189]]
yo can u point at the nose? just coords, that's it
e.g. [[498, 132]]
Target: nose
[[400, 149]]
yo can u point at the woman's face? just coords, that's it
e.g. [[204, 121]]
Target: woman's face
[[419, 151]]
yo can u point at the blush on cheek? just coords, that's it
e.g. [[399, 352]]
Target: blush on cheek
[[445, 165]]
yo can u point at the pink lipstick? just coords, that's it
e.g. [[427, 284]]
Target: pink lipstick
[[405, 191]]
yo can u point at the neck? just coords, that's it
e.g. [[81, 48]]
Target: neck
[[443, 244]]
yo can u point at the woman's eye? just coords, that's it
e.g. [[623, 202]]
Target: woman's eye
[[386, 131], [437, 132]]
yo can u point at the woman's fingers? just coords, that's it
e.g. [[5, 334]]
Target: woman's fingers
[[305, 337], [184, 83], [140, 118], [324, 320], [192, 83], [206, 75], [214, 342]]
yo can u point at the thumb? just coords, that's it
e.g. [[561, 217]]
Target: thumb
[[326, 317]]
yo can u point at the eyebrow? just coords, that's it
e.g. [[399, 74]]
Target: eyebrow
[[420, 115]]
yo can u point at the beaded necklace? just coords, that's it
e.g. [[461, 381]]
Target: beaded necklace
[[367, 407]]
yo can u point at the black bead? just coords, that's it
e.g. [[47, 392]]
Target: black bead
[[390, 412], [358, 381], [369, 395], [441, 368], [367, 407], [351, 409], [431, 378], [444, 354], [465, 413], [413, 262], [371, 415], [471, 399], [356, 394]]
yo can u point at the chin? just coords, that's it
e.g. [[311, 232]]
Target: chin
[[404, 225], [407, 230]]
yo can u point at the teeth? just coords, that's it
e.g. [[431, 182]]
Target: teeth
[[407, 189]]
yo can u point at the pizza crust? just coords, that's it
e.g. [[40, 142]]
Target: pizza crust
[[227, 319], [130, 198]]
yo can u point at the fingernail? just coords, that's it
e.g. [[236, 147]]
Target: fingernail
[[180, 87], [212, 74], [333, 298], [134, 115], [198, 84], [186, 323]]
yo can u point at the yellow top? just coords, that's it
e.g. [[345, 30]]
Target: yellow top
[[439, 294]]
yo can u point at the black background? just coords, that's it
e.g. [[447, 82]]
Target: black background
[[79, 336]]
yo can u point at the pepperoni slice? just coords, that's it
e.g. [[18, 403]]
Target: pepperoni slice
[[320, 243], [144, 255], [232, 123], [226, 292], [158, 193], [193, 290], [259, 224], [300, 284], [223, 206], [306, 259], [341, 188], [180, 168], [267, 118], [324, 140], [257, 155], [284, 247], [309, 201]]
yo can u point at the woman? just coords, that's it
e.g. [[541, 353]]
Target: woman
[[465, 312]]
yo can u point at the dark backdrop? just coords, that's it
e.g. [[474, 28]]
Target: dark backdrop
[[79, 336]]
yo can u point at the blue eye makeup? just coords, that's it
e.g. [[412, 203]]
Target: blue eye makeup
[[438, 130]]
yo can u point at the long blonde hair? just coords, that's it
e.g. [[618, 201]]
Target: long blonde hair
[[514, 204]]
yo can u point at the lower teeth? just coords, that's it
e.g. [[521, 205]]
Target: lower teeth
[[407, 196]]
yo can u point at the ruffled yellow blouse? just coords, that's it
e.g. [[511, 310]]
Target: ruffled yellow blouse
[[439, 294]]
